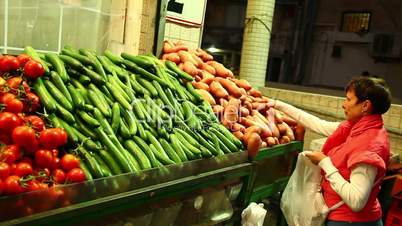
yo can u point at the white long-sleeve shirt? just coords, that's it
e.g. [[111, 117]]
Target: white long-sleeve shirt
[[355, 192]]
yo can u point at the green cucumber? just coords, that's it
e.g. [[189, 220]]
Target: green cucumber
[[136, 151], [172, 66], [95, 77], [115, 117], [148, 86], [109, 160], [140, 61], [58, 95], [71, 62], [169, 151], [178, 148], [83, 59], [89, 120], [58, 82], [145, 148], [76, 97], [45, 98]]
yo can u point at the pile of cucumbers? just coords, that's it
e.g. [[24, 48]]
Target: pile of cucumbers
[[128, 113]]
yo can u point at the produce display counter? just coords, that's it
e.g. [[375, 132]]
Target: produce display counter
[[199, 192]]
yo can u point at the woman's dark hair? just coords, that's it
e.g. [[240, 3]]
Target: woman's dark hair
[[373, 89]]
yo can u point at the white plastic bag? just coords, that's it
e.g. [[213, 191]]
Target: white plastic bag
[[302, 203], [253, 215]]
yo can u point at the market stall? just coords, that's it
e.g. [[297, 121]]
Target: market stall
[[134, 138]]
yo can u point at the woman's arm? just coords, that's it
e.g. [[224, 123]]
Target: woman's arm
[[356, 192], [309, 121]]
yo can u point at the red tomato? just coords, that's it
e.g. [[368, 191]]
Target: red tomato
[[32, 102], [27, 160], [33, 185], [23, 58], [53, 138], [55, 152], [14, 106], [23, 169], [43, 158], [5, 170], [10, 154], [35, 122], [75, 175], [5, 138], [69, 162], [7, 97], [9, 63], [13, 185], [24, 136], [1, 186], [42, 174], [14, 82], [8, 122], [33, 148], [59, 176], [55, 163], [33, 69], [3, 85]]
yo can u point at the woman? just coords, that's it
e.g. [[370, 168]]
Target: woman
[[355, 154]]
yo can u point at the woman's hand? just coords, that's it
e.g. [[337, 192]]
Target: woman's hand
[[314, 156]]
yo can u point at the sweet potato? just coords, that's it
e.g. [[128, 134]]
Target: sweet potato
[[231, 87], [207, 81], [284, 140], [218, 109], [200, 85], [270, 141], [206, 75], [243, 92], [250, 130], [231, 113], [186, 57], [217, 90], [238, 127], [254, 93], [260, 106], [223, 102], [282, 128], [208, 68], [265, 131], [270, 120], [289, 132], [248, 105], [204, 55], [197, 78], [278, 116], [181, 66], [190, 68], [289, 120], [206, 96], [264, 144], [221, 70], [246, 122], [238, 134], [243, 98], [299, 132], [174, 57], [253, 144], [244, 112], [242, 84], [196, 58], [169, 47]]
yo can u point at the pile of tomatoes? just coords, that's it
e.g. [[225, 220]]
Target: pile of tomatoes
[[29, 152]]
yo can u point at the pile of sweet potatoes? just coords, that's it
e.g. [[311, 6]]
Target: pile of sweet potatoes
[[239, 106]]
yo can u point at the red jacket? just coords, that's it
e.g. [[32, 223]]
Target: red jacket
[[365, 141]]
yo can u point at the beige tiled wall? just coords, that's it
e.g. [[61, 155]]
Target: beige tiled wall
[[187, 34], [148, 23], [330, 108]]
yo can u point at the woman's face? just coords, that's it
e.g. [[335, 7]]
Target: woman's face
[[353, 110]]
